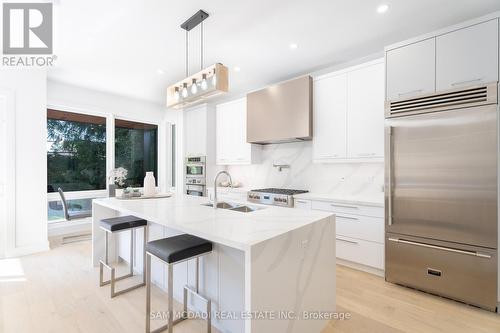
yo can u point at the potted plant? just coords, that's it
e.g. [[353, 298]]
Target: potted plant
[[117, 179]]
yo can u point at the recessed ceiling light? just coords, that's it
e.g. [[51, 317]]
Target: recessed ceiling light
[[293, 46], [382, 8], [160, 71], [237, 69]]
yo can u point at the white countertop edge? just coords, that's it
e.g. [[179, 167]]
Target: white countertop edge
[[350, 199]]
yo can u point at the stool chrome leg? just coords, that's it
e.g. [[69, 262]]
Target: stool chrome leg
[[170, 298], [145, 241], [113, 279], [132, 247], [106, 246], [148, 292], [197, 274]]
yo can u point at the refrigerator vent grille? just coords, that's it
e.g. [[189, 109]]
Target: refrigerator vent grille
[[441, 101]]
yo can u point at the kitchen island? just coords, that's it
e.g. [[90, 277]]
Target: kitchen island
[[271, 270]]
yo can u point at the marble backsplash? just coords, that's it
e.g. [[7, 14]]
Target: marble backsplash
[[327, 178]]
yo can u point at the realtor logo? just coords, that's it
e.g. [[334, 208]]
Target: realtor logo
[[27, 28]]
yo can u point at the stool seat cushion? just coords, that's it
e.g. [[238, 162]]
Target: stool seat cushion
[[178, 248], [122, 223]]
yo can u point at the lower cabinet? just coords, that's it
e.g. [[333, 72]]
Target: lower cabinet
[[360, 251], [302, 204], [359, 230]]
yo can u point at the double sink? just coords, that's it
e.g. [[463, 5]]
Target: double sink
[[234, 207]]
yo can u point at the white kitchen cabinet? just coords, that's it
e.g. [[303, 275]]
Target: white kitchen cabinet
[[411, 70], [195, 131], [349, 114], [361, 252], [231, 128], [302, 204], [346, 208], [365, 116], [330, 112], [360, 233], [467, 56], [367, 228]]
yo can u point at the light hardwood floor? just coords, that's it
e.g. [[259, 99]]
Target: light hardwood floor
[[57, 291]]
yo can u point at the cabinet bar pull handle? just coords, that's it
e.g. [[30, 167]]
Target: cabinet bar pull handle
[[348, 217], [344, 206], [346, 240], [465, 82], [469, 253], [301, 201]]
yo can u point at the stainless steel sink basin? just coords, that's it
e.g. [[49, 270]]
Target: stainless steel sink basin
[[234, 207], [244, 209], [222, 205]]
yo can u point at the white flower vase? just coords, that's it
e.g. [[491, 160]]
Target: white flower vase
[[119, 193], [149, 184]]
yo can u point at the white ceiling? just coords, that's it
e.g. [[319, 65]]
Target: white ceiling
[[118, 46]]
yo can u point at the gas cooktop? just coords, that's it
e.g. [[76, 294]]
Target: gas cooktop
[[273, 196]]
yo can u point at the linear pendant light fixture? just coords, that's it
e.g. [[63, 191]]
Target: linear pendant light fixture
[[208, 82]]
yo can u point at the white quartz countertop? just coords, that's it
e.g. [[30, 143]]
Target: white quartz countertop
[[231, 228], [376, 199]]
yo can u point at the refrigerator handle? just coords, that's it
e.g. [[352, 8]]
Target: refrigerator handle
[[389, 175], [436, 247]]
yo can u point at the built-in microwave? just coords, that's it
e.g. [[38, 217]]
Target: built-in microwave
[[195, 166], [195, 175]]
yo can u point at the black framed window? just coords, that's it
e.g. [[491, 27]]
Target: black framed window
[[76, 151], [136, 149]]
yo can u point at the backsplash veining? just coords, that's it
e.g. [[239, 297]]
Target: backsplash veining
[[341, 178]]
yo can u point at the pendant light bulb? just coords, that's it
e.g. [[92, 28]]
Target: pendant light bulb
[[194, 87], [214, 80], [177, 96], [184, 90], [204, 85]]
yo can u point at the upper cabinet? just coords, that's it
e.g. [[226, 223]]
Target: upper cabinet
[[231, 134], [365, 116], [456, 58], [195, 131], [330, 116], [467, 56], [349, 115], [411, 70]]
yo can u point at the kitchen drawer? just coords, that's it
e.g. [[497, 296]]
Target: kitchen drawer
[[362, 227], [360, 251], [302, 204], [348, 208], [442, 268]]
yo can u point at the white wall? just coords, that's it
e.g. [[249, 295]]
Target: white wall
[[29, 88], [73, 97]]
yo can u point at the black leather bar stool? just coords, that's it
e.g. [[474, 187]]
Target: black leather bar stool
[[171, 251], [120, 224]]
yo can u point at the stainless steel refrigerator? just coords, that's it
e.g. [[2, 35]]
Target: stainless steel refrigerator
[[441, 198]]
